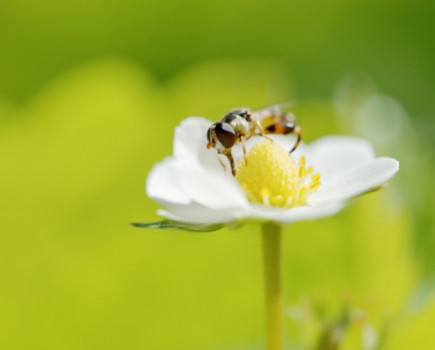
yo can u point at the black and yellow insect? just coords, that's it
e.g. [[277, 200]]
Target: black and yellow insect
[[239, 125]]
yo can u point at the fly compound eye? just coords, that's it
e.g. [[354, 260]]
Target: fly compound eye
[[225, 134], [209, 132]]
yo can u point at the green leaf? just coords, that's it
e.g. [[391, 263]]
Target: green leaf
[[168, 224]]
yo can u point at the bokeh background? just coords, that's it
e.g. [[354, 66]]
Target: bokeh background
[[90, 93]]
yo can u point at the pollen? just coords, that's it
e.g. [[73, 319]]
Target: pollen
[[271, 176]]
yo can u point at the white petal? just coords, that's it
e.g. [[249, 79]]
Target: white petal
[[357, 180], [334, 155], [211, 189], [194, 213], [197, 214], [162, 183], [295, 214], [190, 144]]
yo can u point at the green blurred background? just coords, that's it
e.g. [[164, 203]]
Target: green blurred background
[[90, 92]]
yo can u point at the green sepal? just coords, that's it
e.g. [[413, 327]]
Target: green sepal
[[168, 224]]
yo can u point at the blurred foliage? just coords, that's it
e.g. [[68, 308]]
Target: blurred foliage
[[78, 276], [319, 41], [82, 123]]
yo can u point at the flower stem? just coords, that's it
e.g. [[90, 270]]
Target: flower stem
[[273, 285]]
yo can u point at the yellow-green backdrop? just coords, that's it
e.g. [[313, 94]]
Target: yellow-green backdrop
[[90, 92]]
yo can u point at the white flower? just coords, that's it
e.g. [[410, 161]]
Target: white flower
[[194, 188]]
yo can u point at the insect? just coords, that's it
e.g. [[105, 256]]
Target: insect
[[240, 124]]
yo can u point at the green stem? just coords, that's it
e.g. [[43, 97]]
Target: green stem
[[273, 285]]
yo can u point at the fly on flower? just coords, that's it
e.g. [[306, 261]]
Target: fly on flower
[[241, 124], [313, 182]]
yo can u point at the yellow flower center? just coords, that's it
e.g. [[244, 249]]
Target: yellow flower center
[[271, 176]]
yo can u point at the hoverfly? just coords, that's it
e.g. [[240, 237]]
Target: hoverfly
[[240, 124]]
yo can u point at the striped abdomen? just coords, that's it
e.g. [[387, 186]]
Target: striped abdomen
[[280, 128]]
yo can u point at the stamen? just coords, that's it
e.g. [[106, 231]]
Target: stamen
[[315, 177], [272, 177], [265, 195], [302, 171]]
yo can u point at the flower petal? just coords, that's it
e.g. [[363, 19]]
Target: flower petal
[[212, 189], [197, 214], [295, 214], [190, 144], [357, 180], [334, 155], [162, 183]]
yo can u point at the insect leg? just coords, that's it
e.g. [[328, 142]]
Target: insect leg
[[231, 160], [222, 163], [242, 140], [285, 128], [260, 128], [297, 131]]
